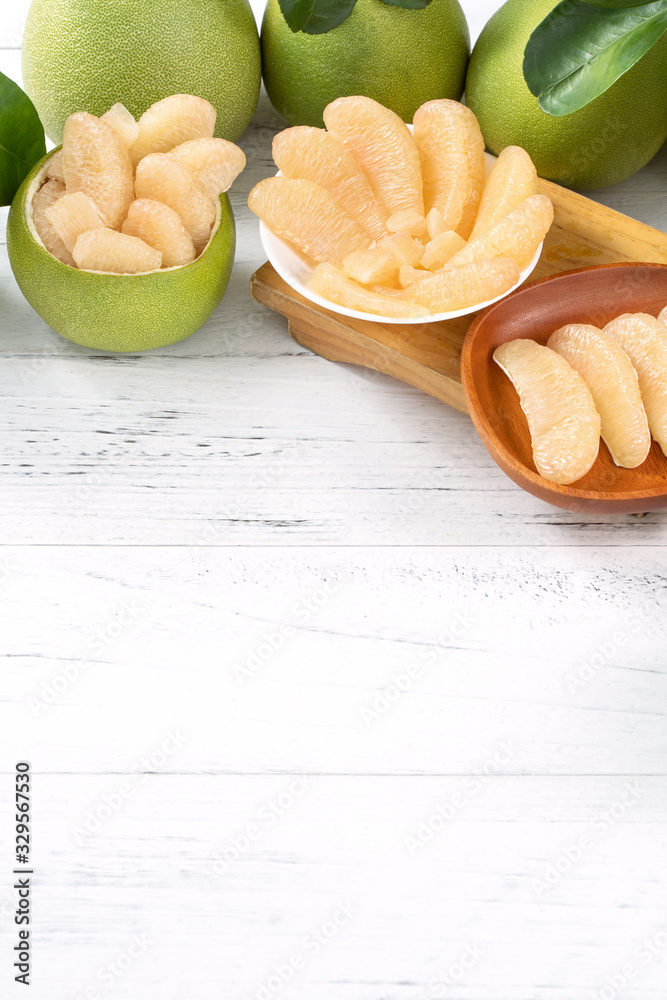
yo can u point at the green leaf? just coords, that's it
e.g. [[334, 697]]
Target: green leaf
[[617, 3], [408, 4], [21, 138], [315, 17], [581, 49]]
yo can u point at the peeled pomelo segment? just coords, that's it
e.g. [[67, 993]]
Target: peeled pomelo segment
[[441, 249], [404, 248], [215, 162], [408, 275], [171, 121], [330, 282], [607, 371], [72, 215], [109, 250], [313, 154], [382, 145], [96, 164], [123, 123], [56, 168], [662, 318], [386, 291], [47, 196], [642, 338], [374, 266], [161, 228], [309, 217], [512, 180], [517, 235], [451, 148], [563, 421], [161, 177], [435, 224], [453, 288], [407, 221]]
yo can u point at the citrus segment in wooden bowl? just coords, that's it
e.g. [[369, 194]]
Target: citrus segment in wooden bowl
[[592, 296], [640, 336], [562, 418], [612, 380]]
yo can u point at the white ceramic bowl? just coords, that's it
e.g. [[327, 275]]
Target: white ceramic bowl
[[295, 269]]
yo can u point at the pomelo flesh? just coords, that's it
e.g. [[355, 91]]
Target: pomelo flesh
[[563, 421], [56, 169], [517, 235], [330, 282], [375, 266], [216, 163], [309, 217], [440, 250], [404, 248], [72, 215], [96, 163], [608, 372], [641, 337], [123, 123], [407, 220], [44, 199], [161, 228], [170, 122], [313, 154], [111, 251], [451, 149], [161, 177], [453, 288], [384, 148], [512, 180]]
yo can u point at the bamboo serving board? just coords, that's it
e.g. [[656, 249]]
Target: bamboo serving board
[[427, 356]]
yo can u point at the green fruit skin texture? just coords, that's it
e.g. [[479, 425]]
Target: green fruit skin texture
[[603, 143], [119, 312], [401, 58], [85, 55]]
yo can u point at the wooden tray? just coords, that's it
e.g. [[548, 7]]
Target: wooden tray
[[584, 233]]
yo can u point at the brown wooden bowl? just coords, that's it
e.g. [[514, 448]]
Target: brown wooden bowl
[[588, 295]]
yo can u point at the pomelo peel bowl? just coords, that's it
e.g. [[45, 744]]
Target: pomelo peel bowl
[[119, 284]]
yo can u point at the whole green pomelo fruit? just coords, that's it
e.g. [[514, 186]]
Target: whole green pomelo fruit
[[605, 142], [117, 312], [399, 57], [85, 55]]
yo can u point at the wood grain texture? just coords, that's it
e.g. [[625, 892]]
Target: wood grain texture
[[275, 660], [220, 920]]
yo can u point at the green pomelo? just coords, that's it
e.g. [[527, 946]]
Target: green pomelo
[[401, 58], [85, 55], [605, 142], [117, 312]]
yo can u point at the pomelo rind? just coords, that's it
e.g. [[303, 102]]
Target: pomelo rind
[[118, 312]]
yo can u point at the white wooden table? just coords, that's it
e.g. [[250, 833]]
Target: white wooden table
[[321, 706]]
